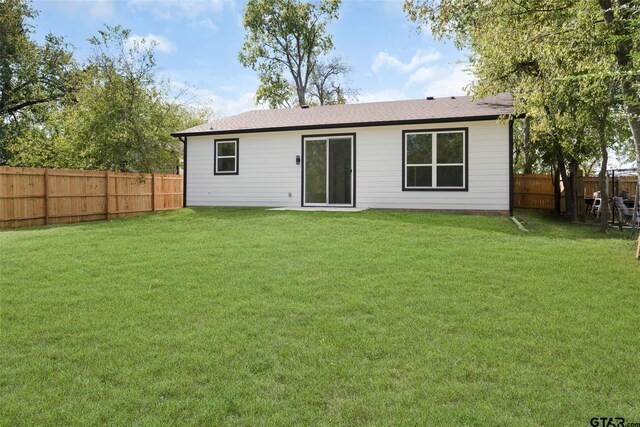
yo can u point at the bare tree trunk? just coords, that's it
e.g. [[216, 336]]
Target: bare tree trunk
[[602, 175], [568, 180], [562, 171], [301, 96], [557, 195], [573, 194], [526, 145]]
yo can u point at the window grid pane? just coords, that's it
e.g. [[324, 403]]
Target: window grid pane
[[419, 176], [450, 176], [419, 149], [226, 148], [450, 148], [227, 164]]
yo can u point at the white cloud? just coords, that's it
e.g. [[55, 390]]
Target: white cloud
[[101, 9], [170, 10], [385, 60], [383, 95], [451, 81], [426, 81], [220, 105], [208, 24], [422, 75], [95, 9], [161, 43]]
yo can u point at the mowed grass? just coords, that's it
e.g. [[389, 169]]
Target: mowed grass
[[255, 317]]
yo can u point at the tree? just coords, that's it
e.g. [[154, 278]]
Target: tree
[[286, 36], [623, 24], [122, 119], [325, 87], [31, 75], [550, 56]]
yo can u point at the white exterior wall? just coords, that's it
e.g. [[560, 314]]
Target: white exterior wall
[[268, 174]]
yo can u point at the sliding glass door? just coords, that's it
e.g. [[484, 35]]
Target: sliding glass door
[[328, 171]]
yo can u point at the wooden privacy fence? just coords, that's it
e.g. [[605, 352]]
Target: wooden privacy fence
[[54, 196], [535, 191]]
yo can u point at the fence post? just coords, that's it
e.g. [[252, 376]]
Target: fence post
[[106, 177], [153, 192], [46, 197]]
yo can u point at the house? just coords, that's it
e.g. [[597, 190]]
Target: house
[[441, 154]]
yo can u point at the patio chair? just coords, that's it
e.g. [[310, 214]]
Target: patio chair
[[597, 204], [624, 213]]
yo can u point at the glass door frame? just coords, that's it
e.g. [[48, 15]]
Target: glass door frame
[[326, 137]]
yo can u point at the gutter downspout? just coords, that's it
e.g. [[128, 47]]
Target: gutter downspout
[[511, 167], [184, 170]]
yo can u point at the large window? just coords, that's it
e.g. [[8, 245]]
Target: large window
[[225, 157], [435, 159]]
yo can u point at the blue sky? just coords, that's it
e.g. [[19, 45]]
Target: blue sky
[[198, 44]]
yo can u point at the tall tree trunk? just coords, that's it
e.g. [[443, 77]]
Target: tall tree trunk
[[526, 145], [602, 175], [573, 193], [301, 96], [557, 194], [562, 171], [568, 179]]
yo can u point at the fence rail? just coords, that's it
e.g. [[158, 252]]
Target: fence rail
[[54, 196], [535, 191]]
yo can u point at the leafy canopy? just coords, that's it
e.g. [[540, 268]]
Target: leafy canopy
[[111, 113], [286, 37], [31, 75], [123, 120], [555, 58]]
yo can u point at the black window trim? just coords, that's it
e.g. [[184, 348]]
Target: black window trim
[[215, 155], [465, 130]]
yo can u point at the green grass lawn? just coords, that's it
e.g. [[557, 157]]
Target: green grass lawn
[[255, 317]]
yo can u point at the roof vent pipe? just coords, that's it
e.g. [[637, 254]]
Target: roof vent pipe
[[429, 98], [304, 106]]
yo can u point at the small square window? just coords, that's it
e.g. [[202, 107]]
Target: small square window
[[226, 157]]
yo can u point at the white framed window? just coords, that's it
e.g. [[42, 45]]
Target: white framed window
[[435, 159], [225, 157]]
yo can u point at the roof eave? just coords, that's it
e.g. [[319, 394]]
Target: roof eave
[[343, 125]]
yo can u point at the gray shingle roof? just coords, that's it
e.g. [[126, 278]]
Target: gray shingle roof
[[368, 114]]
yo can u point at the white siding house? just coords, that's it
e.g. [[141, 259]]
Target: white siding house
[[457, 162]]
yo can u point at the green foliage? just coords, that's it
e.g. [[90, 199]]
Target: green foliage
[[122, 120], [555, 58], [32, 76], [114, 114], [546, 53], [287, 37]]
